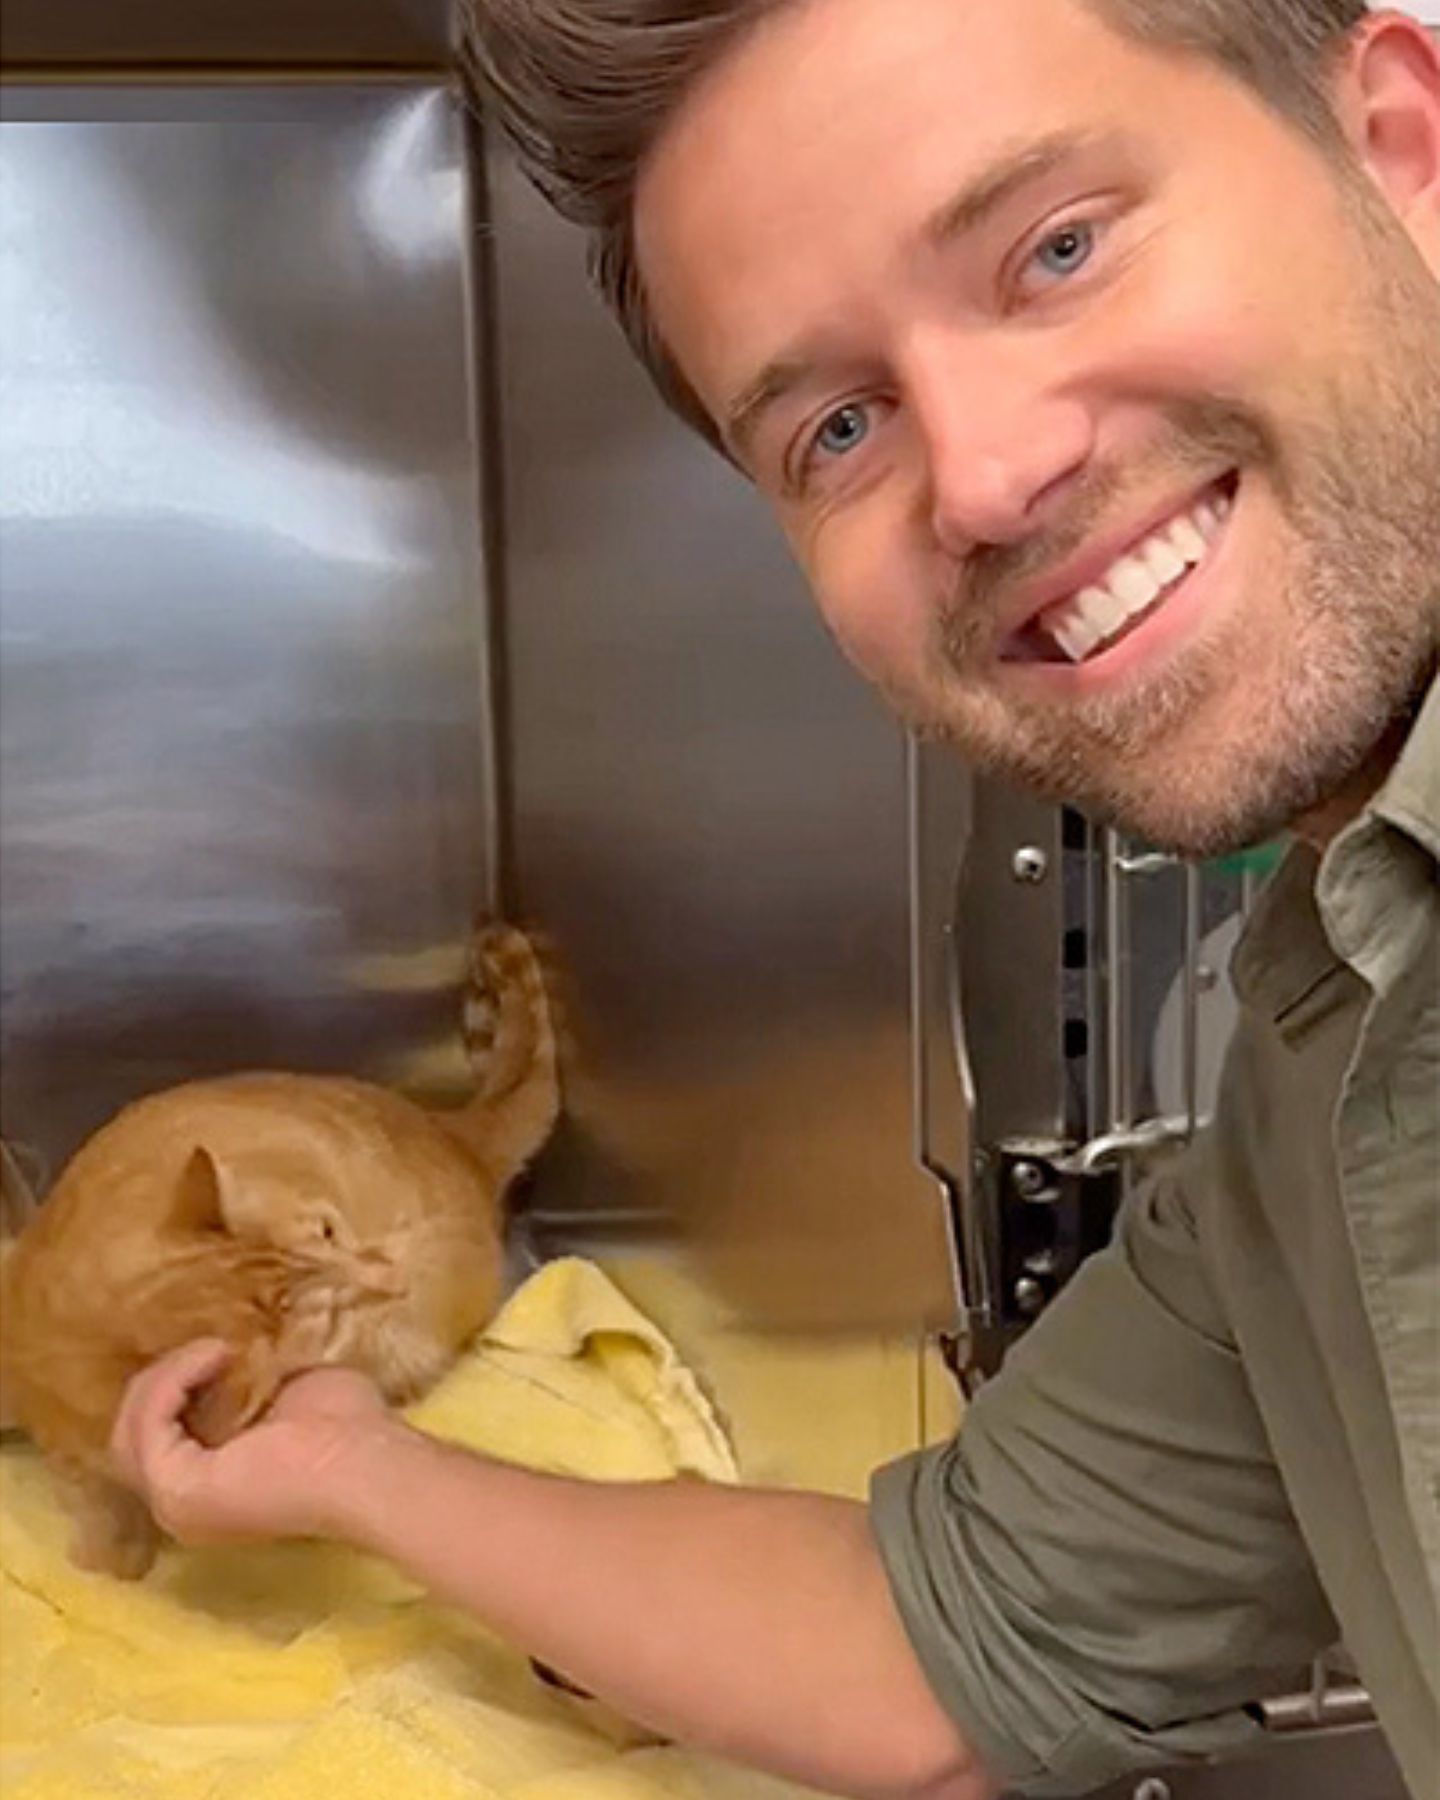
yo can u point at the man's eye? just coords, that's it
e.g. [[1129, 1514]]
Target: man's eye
[[1065, 251], [843, 431]]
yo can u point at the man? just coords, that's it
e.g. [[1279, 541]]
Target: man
[[1089, 351]]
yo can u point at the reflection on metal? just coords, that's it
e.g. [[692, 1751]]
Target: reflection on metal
[[254, 667], [1007, 938], [707, 814], [1333, 1708], [941, 821], [240, 592], [1113, 1148], [1120, 1068]]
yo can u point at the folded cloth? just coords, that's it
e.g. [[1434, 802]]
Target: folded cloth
[[298, 1670]]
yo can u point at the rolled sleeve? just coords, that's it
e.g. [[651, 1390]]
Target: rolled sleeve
[[1101, 1574]]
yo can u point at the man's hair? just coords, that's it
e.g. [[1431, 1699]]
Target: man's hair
[[584, 88]]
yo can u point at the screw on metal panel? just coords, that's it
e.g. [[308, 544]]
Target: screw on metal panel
[[1028, 1179], [1029, 1297], [1030, 864], [1152, 1788]]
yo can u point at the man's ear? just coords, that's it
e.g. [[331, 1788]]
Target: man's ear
[[1388, 97]]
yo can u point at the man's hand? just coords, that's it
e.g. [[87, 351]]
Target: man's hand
[[284, 1477], [756, 1625]]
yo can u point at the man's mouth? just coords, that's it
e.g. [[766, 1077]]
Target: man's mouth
[[1134, 587]]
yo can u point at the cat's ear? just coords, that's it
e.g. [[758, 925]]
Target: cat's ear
[[200, 1194]]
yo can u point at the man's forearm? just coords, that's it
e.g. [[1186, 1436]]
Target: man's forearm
[[758, 1625]]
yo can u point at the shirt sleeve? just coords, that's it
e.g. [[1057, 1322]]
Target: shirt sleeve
[[1100, 1573]]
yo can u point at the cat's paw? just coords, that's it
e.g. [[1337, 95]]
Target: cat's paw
[[114, 1533], [126, 1559]]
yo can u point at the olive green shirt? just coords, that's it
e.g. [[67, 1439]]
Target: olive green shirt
[[1219, 1452]]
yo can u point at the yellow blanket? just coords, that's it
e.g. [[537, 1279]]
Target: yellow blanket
[[304, 1670]]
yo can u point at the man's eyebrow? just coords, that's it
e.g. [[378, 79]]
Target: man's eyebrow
[[773, 383], [1000, 181]]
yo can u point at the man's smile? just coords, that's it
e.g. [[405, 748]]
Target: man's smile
[[1102, 598]]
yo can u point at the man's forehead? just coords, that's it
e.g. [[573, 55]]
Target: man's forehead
[[834, 122]]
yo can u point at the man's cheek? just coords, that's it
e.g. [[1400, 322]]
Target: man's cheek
[[880, 630], [1193, 320]]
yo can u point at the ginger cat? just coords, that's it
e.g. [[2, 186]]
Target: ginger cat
[[305, 1219]]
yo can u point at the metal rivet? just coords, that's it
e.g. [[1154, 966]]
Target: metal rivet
[[1030, 864], [1152, 1788], [1028, 1179], [1030, 1300]]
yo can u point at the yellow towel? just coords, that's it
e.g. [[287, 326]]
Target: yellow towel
[[303, 1670]]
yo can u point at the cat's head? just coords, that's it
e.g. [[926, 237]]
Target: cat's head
[[280, 1201], [405, 1285]]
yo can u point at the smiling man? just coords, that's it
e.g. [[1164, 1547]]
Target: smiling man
[[1089, 351]]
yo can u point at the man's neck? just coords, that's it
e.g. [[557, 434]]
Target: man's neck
[[1320, 827]]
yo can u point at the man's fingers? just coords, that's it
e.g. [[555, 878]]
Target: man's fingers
[[149, 1415]]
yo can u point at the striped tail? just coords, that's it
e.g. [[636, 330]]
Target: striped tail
[[509, 1035]]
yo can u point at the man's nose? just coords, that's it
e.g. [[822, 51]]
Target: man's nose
[[1002, 447]]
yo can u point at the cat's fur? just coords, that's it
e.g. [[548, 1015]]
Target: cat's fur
[[307, 1220]]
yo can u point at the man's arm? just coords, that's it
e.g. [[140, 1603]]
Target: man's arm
[[755, 1624]]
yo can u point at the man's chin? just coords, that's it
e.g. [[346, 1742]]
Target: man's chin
[[1165, 802], [1237, 808], [1196, 837]]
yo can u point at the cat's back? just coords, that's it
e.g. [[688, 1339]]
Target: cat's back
[[337, 1124], [123, 1176], [120, 1184]]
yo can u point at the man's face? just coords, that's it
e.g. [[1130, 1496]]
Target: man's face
[[1101, 409]]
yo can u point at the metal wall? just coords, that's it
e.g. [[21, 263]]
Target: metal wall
[[242, 752], [709, 813], [253, 662]]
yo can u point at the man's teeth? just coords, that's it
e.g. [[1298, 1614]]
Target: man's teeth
[[1097, 614]]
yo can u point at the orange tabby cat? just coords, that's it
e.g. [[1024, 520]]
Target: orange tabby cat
[[305, 1219]]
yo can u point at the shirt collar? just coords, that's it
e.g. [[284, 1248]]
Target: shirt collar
[[1284, 955], [1316, 914], [1410, 798]]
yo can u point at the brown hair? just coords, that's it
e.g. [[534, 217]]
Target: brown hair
[[584, 88]]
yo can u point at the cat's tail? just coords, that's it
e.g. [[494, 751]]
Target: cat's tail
[[509, 1032]]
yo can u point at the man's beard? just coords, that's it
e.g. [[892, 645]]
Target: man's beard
[[1358, 487]]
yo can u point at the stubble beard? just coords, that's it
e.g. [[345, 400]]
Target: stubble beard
[[1198, 757]]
